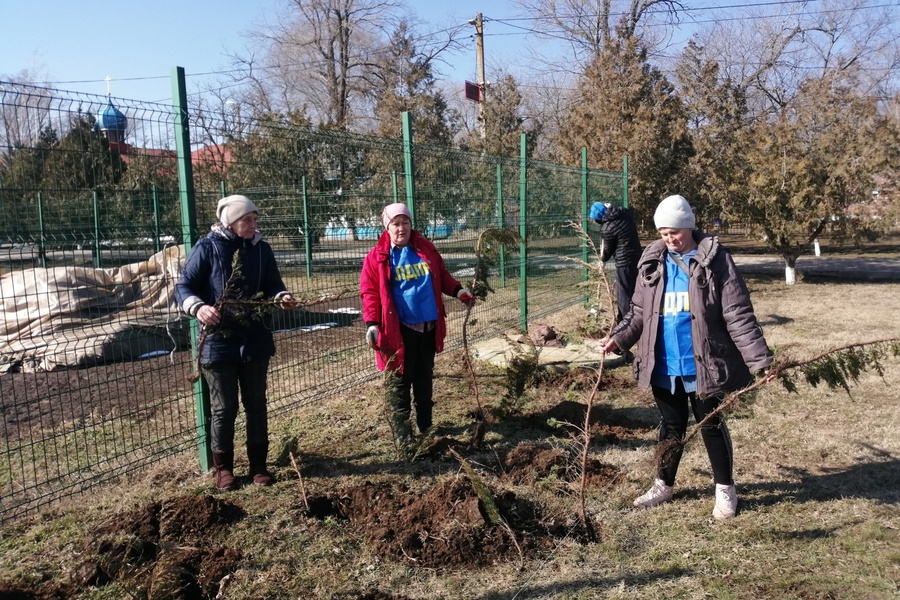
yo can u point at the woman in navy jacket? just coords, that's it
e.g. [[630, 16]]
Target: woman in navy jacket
[[238, 341]]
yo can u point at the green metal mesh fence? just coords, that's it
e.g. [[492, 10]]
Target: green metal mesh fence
[[95, 357]]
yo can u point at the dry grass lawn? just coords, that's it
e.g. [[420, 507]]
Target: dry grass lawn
[[818, 474]]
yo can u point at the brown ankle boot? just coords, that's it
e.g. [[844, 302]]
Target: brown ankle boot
[[256, 456], [223, 462]]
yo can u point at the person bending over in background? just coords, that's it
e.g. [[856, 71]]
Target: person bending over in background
[[401, 285], [620, 240], [698, 339], [238, 343]]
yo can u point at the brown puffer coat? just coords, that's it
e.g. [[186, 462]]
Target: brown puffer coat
[[731, 345]]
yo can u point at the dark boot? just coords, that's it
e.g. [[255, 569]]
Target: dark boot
[[223, 462], [423, 416], [256, 456]]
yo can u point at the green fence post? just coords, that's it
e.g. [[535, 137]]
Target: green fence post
[[188, 233], [523, 234], [98, 261], [500, 223], [408, 166], [223, 188], [157, 229], [42, 249], [625, 181], [394, 186], [307, 234], [584, 215]]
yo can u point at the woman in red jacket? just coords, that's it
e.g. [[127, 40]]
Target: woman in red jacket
[[401, 285]]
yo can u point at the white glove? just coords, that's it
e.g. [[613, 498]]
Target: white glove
[[372, 336]]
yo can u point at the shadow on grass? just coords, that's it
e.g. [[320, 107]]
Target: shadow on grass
[[877, 480], [588, 584], [622, 427], [773, 320]]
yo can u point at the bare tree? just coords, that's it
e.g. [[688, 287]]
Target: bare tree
[[23, 121], [799, 106], [588, 25], [317, 56], [770, 55]]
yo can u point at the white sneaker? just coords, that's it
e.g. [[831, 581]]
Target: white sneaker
[[658, 493], [726, 502]]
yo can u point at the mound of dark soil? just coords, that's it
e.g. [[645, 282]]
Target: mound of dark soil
[[529, 463], [44, 591], [607, 425], [164, 549], [445, 526]]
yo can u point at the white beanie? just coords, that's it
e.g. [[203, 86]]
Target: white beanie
[[674, 212], [232, 208]]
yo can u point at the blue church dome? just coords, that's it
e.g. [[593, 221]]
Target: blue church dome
[[112, 119]]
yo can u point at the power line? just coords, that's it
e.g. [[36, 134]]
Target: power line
[[508, 22], [428, 40], [425, 40]]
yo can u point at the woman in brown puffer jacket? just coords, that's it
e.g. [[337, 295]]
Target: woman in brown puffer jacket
[[698, 339]]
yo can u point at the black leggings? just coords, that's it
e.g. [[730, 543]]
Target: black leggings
[[418, 375], [674, 410], [625, 281]]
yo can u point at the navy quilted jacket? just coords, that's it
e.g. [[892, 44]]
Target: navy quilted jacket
[[240, 336], [620, 237]]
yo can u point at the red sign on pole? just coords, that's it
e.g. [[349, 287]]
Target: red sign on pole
[[473, 92]]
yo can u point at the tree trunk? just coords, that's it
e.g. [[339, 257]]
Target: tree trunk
[[790, 271]]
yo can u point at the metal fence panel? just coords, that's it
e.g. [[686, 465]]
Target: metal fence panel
[[91, 246]]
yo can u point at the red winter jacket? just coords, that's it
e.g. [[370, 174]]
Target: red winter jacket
[[378, 302]]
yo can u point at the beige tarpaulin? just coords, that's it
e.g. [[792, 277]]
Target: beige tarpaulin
[[70, 316], [498, 351]]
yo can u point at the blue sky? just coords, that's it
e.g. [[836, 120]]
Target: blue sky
[[77, 44]]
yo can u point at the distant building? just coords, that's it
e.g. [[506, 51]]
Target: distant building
[[113, 125]]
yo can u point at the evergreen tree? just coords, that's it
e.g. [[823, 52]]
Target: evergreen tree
[[805, 170], [79, 165], [504, 122], [403, 81], [716, 111], [21, 172], [624, 106], [82, 161]]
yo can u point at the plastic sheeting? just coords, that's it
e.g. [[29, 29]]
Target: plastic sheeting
[[77, 316], [500, 350]]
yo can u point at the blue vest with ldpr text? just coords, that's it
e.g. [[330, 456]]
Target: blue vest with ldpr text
[[674, 346]]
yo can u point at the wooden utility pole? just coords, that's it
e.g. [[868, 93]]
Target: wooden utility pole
[[479, 57]]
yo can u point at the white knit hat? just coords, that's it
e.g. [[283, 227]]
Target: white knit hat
[[232, 208], [674, 212]]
